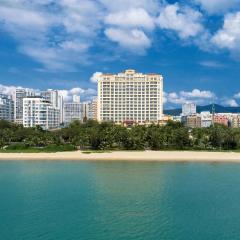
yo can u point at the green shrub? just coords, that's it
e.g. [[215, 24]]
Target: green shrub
[[17, 146]]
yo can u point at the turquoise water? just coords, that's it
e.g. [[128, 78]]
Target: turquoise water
[[119, 201]]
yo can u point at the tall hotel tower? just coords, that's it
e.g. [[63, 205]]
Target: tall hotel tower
[[130, 97]]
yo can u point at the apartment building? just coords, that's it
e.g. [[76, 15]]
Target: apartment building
[[221, 119], [18, 96], [6, 108], [94, 108], [206, 119], [54, 97], [235, 123], [192, 121], [189, 109], [37, 111], [72, 110], [130, 97]]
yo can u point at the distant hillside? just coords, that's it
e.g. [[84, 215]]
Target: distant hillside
[[218, 109]]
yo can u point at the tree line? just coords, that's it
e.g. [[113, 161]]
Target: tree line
[[109, 136]]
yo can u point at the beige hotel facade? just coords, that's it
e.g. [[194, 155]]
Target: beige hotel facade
[[130, 97]]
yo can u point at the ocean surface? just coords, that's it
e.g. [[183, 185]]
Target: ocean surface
[[72, 200]]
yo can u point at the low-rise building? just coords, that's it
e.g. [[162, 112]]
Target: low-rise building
[[206, 119], [192, 121], [235, 121], [177, 118], [221, 119], [165, 120]]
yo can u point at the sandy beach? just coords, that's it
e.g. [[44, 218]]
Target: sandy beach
[[174, 156]]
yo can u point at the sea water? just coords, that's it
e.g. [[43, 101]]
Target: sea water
[[75, 200]]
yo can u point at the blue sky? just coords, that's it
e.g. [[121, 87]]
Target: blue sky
[[65, 44]]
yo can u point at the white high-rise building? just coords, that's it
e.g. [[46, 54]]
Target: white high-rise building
[[189, 109], [94, 108], [72, 111], [51, 96], [6, 107], [130, 96], [18, 96], [55, 99], [37, 111]]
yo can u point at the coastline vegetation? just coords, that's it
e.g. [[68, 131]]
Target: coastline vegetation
[[98, 137]]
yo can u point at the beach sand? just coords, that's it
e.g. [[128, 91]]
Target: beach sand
[[162, 156]]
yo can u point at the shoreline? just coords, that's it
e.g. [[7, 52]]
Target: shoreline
[[141, 156]]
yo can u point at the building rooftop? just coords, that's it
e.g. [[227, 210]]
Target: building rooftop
[[129, 72]]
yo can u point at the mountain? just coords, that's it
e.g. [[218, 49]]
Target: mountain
[[218, 109]]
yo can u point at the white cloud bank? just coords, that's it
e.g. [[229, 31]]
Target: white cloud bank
[[229, 36], [217, 6], [185, 21], [132, 18], [86, 94], [94, 78], [196, 96], [230, 102], [134, 40], [174, 99], [237, 95], [60, 34]]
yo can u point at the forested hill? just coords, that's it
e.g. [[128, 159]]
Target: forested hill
[[218, 109]]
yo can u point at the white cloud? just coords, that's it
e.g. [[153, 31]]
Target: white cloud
[[9, 90], [135, 40], [60, 35], [57, 39], [237, 95], [75, 45], [211, 64], [174, 98], [122, 5], [86, 94], [131, 18], [129, 25], [23, 17], [81, 17], [195, 96], [183, 20], [173, 95], [229, 36], [217, 6], [196, 93], [231, 103], [165, 95], [48, 56], [201, 98], [95, 76], [77, 91]]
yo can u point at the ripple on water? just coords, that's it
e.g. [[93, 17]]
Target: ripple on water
[[105, 201]]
